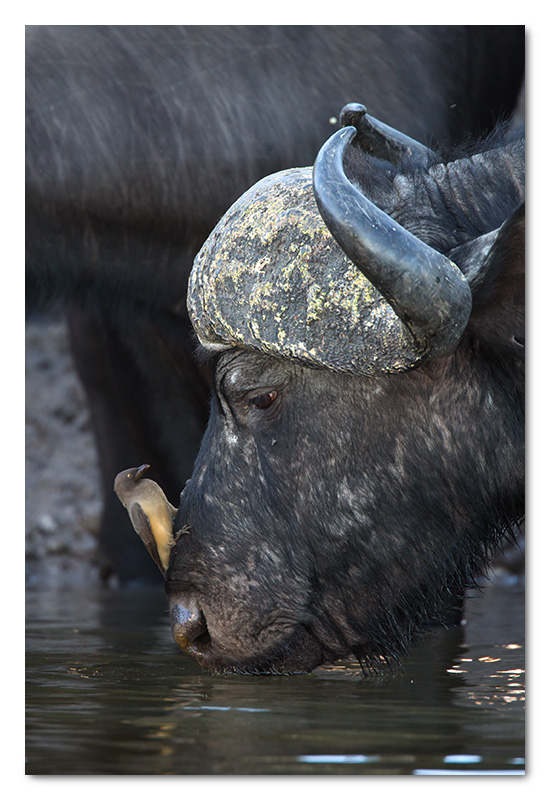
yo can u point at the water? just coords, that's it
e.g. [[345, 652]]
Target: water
[[108, 693]]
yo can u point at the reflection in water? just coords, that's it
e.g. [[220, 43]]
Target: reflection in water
[[109, 693]]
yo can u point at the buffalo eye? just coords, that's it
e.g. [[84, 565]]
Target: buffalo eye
[[264, 401]]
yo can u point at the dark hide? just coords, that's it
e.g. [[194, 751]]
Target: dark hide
[[139, 138]]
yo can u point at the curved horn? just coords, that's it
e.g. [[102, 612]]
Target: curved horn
[[425, 289], [382, 141]]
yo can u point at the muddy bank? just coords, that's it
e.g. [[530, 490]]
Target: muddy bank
[[62, 499]]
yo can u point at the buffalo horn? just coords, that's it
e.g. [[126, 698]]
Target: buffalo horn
[[378, 139], [426, 290]]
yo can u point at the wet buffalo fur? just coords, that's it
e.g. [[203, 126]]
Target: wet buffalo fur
[[333, 515]]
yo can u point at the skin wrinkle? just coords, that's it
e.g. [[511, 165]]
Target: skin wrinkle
[[517, 179], [422, 199]]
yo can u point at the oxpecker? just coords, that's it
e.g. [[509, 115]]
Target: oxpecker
[[151, 514]]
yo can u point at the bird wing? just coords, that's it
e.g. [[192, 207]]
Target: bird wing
[[142, 527]]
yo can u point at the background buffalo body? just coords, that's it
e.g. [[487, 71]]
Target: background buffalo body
[[139, 138]]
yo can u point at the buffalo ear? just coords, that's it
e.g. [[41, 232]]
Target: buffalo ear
[[494, 266]]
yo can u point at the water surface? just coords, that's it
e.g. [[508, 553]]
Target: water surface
[[109, 693]]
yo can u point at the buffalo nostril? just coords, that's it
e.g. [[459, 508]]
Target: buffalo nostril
[[188, 624]]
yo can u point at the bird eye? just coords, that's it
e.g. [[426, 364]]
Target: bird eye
[[264, 401]]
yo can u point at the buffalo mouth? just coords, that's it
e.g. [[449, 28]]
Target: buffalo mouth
[[299, 653]]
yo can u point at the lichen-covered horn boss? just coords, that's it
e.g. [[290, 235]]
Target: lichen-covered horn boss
[[358, 294]]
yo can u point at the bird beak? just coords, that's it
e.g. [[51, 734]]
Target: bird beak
[[141, 471]]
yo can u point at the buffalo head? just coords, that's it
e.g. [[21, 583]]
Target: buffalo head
[[365, 443]]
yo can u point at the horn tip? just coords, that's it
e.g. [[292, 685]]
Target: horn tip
[[352, 114]]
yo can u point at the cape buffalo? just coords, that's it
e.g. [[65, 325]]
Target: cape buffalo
[[140, 137], [365, 448]]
